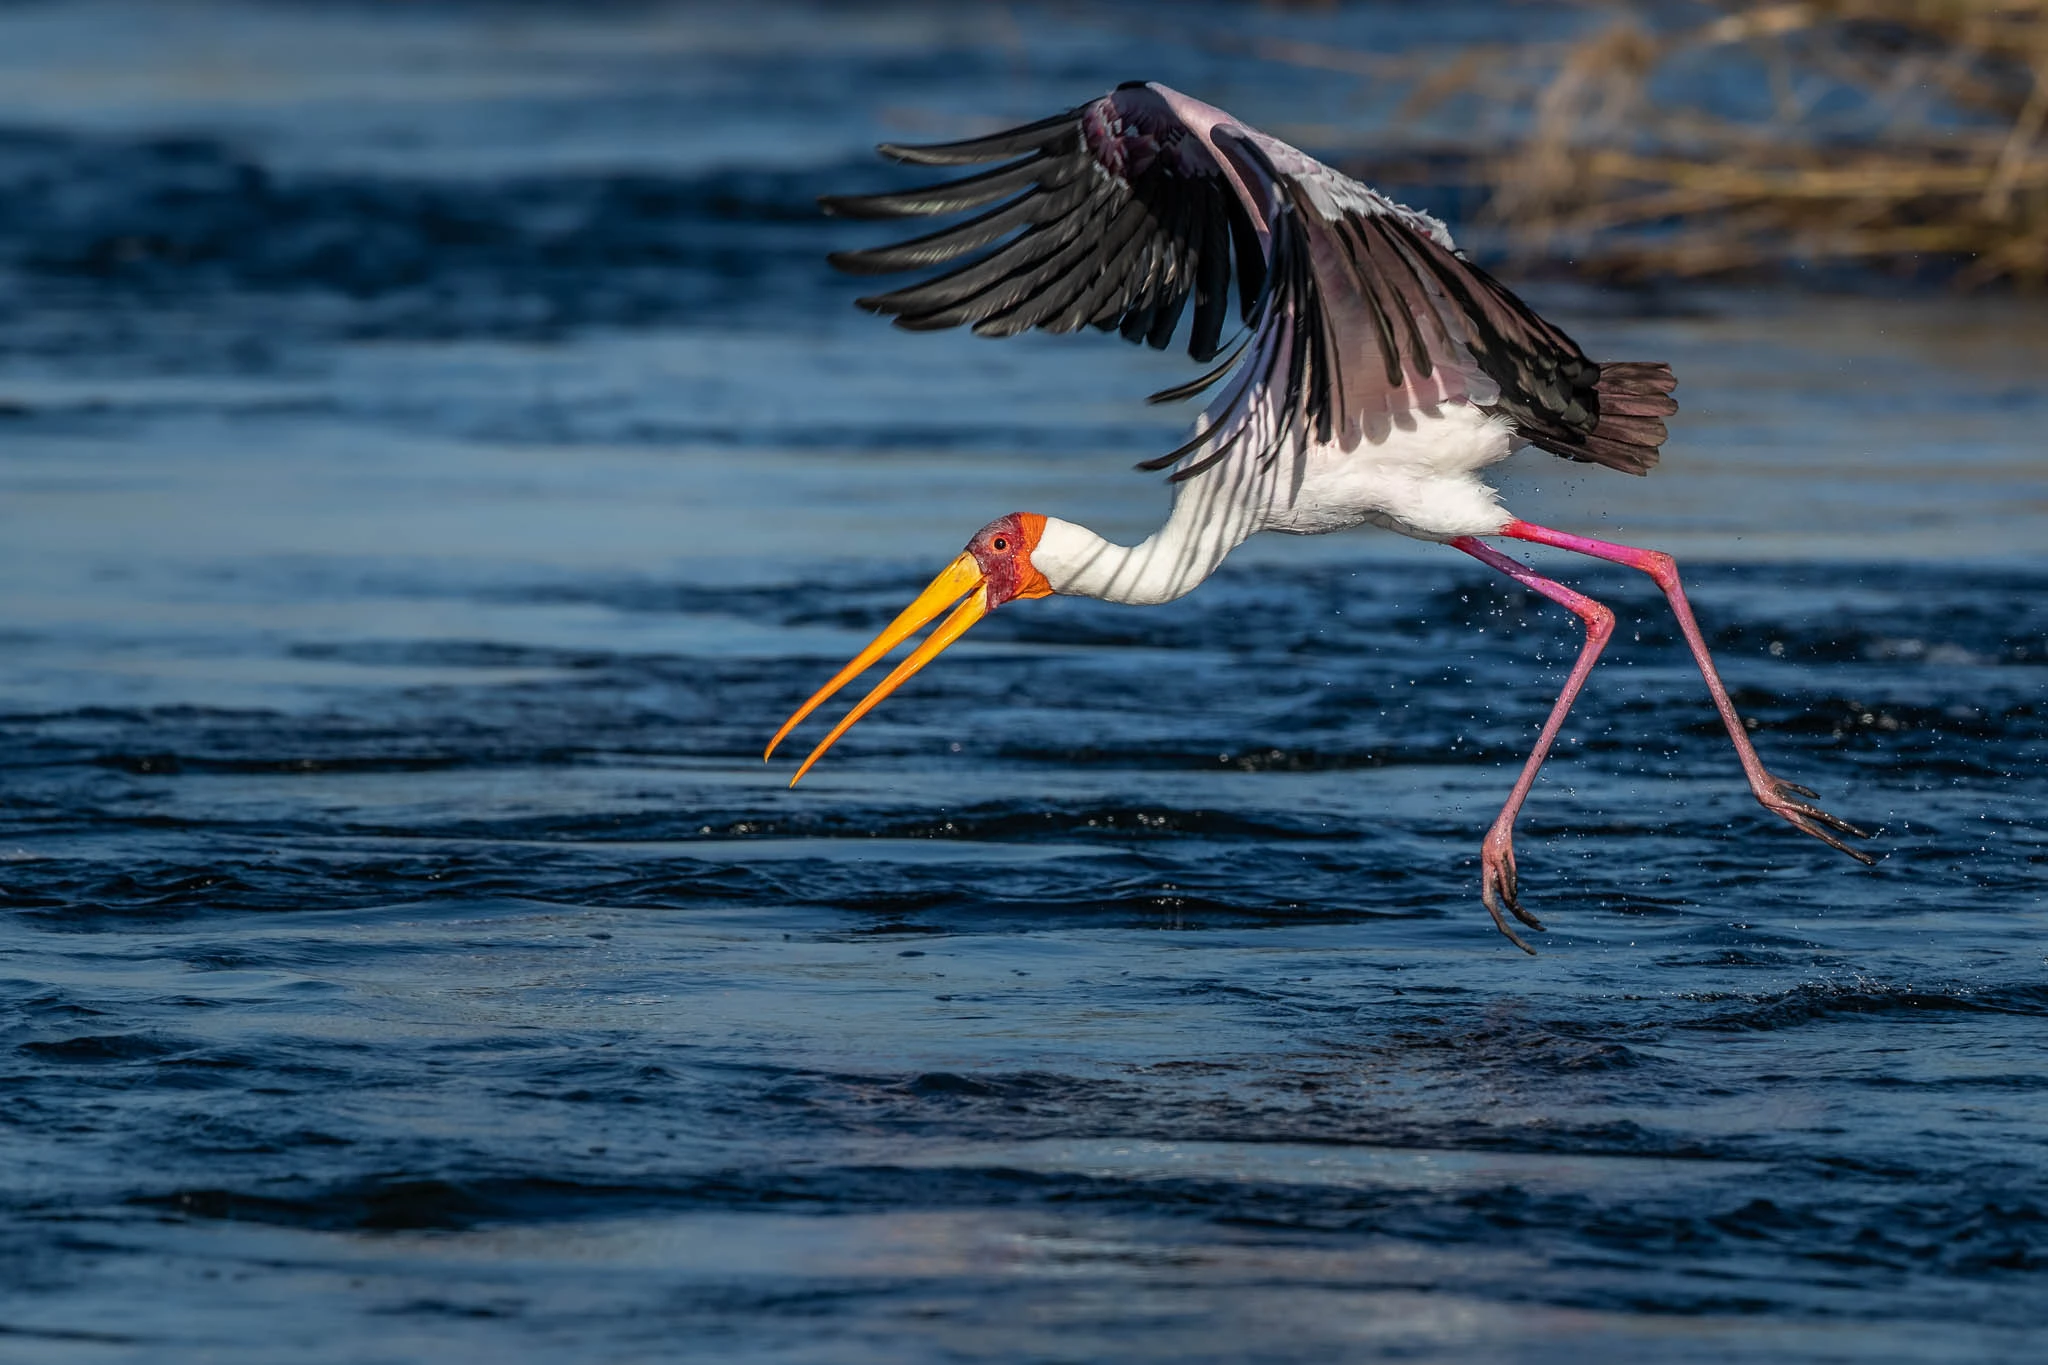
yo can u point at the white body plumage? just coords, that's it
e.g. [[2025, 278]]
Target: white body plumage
[[1420, 478]]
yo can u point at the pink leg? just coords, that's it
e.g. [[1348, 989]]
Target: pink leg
[[1776, 795], [1497, 855]]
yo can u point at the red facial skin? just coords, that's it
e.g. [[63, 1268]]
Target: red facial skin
[[1003, 550]]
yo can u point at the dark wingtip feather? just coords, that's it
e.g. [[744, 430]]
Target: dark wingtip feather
[[949, 196], [854, 263], [1069, 243], [861, 206], [1187, 447], [1199, 382], [1009, 142]]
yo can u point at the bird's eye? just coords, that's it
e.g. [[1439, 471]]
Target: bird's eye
[[1000, 544]]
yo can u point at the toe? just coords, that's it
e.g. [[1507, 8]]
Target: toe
[[1490, 895], [1782, 800]]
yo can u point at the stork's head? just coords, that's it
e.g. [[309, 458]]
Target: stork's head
[[1001, 552], [995, 568]]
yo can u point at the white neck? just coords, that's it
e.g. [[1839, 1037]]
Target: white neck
[[1205, 525]]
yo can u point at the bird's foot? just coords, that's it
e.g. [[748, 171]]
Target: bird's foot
[[1498, 884], [1781, 798]]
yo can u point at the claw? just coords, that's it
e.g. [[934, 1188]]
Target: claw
[[1498, 886], [1810, 819], [1800, 822], [1515, 904], [1493, 908]]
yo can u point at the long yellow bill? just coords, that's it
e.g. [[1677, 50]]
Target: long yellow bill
[[962, 577]]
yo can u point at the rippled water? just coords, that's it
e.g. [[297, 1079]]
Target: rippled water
[[435, 457]]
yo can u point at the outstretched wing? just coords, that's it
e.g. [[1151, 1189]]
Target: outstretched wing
[[1113, 214], [1370, 313], [1361, 311]]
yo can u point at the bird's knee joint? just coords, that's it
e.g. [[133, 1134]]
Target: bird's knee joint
[[1599, 623], [1661, 567]]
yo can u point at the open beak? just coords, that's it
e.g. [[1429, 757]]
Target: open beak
[[961, 578]]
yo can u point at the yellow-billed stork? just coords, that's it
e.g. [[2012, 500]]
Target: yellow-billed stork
[[1380, 373]]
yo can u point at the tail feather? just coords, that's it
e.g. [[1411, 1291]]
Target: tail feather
[[1636, 405], [1642, 431], [1635, 397]]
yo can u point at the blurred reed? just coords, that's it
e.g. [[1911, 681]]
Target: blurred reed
[[1730, 136]]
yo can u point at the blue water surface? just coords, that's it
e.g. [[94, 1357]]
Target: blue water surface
[[434, 456]]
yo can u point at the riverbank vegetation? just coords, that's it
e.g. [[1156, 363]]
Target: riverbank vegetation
[[1909, 136]]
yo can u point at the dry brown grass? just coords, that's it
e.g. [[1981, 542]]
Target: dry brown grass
[[1901, 133]]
